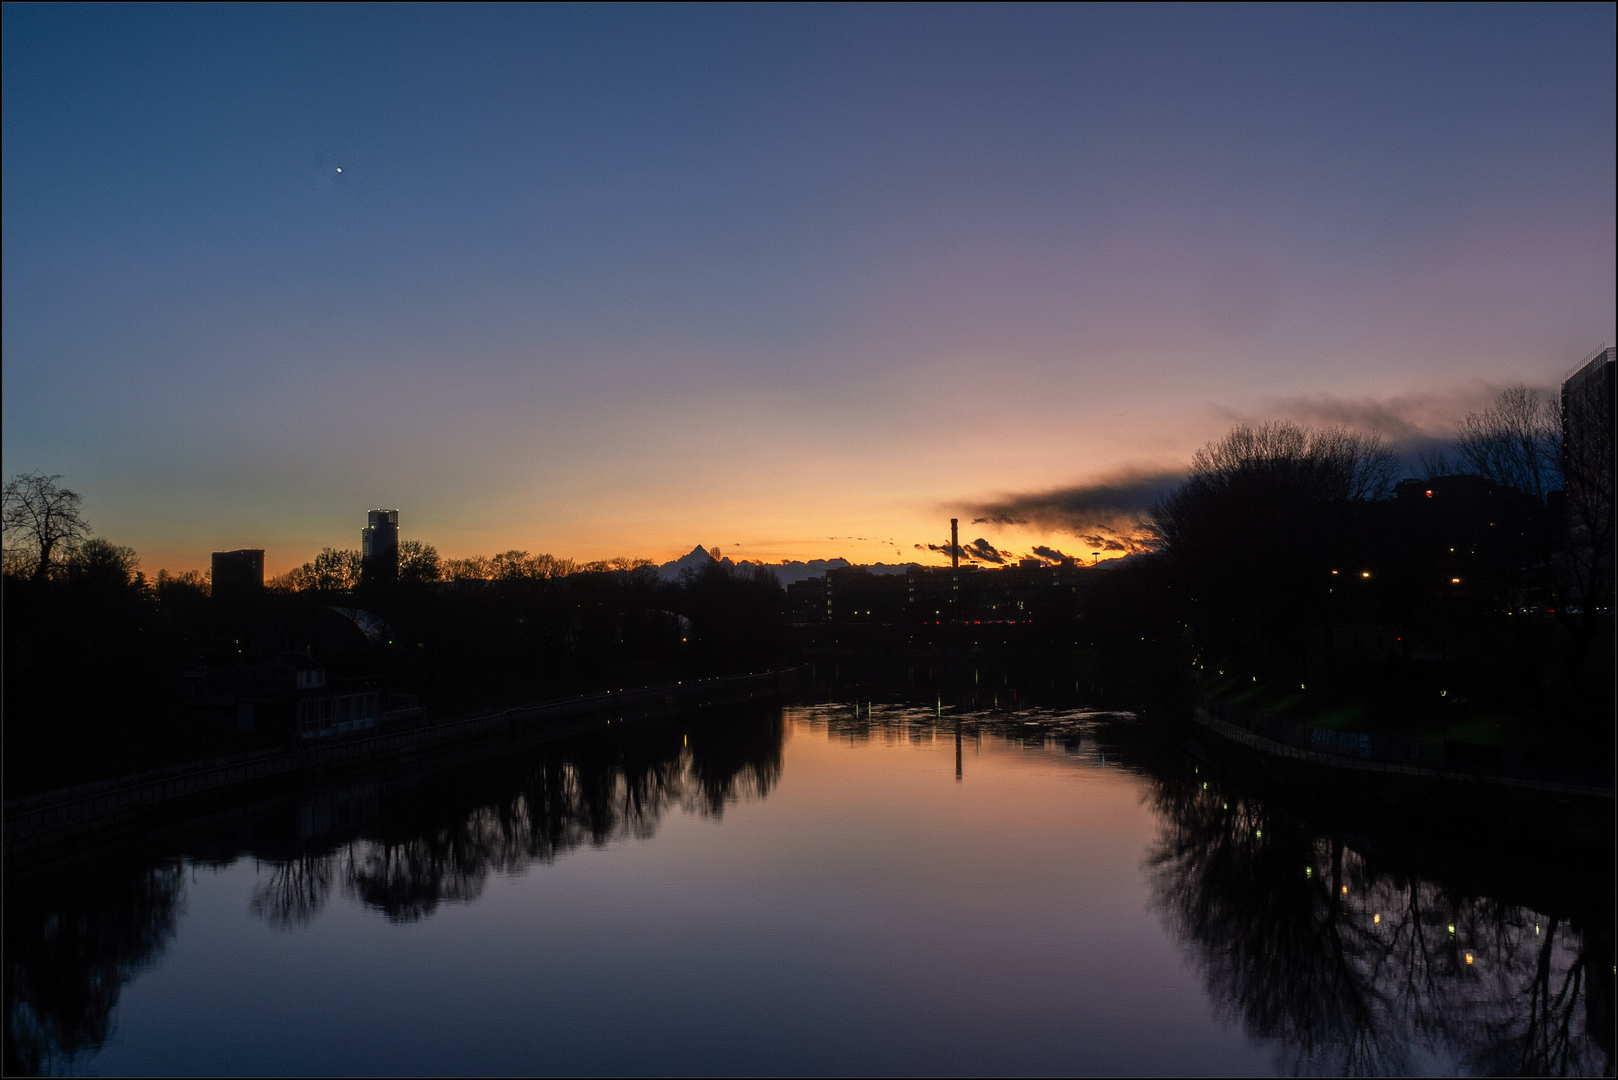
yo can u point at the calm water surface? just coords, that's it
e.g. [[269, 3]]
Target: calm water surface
[[819, 889]]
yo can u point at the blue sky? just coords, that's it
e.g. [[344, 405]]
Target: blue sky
[[618, 280]]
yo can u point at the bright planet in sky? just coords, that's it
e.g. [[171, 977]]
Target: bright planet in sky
[[811, 279]]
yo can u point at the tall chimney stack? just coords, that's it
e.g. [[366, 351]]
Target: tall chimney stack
[[954, 543]]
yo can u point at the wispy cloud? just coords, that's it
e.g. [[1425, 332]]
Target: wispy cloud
[[1404, 419]]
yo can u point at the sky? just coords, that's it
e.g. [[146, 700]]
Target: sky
[[796, 282]]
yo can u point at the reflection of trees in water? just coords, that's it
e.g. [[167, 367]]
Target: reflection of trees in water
[[1356, 981], [439, 841], [409, 880], [410, 846], [293, 892], [1345, 966], [727, 765], [68, 956], [1351, 969]]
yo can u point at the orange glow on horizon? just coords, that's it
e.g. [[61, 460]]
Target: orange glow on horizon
[[858, 551]]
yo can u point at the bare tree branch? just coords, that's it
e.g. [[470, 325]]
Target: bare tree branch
[[43, 519]]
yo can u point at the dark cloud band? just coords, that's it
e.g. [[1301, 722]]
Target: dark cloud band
[[1085, 508]]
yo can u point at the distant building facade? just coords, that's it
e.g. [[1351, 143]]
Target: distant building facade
[[238, 575], [1032, 589], [381, 534], [854, 594], [806, 600], [290, 692], [1005, 593], [1461, 518], [1587, 397], [1588, 442]]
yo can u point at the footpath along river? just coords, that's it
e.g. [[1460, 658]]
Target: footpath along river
[[809, 889]]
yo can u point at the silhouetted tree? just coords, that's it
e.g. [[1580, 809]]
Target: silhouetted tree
[[41, 521], [1520, 444], [1254, 529], [473, 568], [519, 565], [191, 582], [738, 616], [330, 571], [1516, 442], [99, 562], [508, 566], [418, 562]]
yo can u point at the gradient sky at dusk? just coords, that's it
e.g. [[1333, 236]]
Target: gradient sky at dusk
[[619, 280]]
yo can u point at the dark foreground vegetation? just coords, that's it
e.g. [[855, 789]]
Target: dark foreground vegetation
[[1289, 575], [1474, 607], [109, 672], [1294, 576]]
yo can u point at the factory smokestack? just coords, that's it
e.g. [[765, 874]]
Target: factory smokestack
[[954, 543]]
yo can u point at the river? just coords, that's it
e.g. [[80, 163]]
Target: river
[[819, 888]]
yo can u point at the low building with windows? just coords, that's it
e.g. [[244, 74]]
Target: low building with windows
[[806, 600], [336, 713], [1015, 593], [291, 693], [854, 594]]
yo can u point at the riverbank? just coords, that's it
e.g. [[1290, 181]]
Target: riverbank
[[41, 820], [1359, 758]]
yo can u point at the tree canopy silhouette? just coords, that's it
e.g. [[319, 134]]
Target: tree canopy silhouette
[[1516, 442], [42, 523], [1255, 526]]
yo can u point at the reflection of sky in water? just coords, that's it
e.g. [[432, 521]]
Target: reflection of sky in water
[[1046, 913]]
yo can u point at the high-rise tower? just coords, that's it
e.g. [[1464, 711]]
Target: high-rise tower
[[381, 534]]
